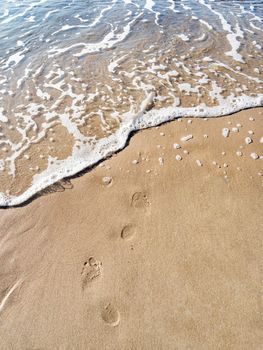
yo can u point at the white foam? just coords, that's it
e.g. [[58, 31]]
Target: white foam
[[201, 38], [42, 95], [231, 36], [14, 59], [114, 64], [183, 37], [11, 18], [107, 42], [3, 118], [49, 13], [172, 6], [149, 5], [87, 156], [206, 24]]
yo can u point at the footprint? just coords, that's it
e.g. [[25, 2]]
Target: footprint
[[111, 315], [90, 271], [140, 200], [128, 231]]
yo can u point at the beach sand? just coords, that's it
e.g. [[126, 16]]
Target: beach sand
[[160, 254]]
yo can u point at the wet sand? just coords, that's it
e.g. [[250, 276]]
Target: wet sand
[[144, 251]]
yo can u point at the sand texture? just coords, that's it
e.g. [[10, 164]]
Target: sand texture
[[144, 251]]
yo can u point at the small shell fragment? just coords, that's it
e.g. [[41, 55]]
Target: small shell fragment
[[254, 155], [178, 157], [106, 180], [199, 162], [176, 146], [248, 140], [186, 138], [225, 132]]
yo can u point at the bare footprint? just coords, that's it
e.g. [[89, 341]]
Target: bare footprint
[[90, 271], [140, 200], [111, 315], [128, 231]]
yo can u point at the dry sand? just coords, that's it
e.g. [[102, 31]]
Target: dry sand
[[162, 257]]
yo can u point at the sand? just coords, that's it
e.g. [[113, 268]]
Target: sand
[[144, 251]]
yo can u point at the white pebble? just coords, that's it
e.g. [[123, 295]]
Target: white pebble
[[106, 180], [162, 134], [161, 161], [176, 146], [178, 157], [189, 121], [135, 161], [239, 153], [225, 132], [261, 140], [248, 140], [250, 132], [26, 156], [199, 163], [185, 151], [235, 129], [254, 155], [223, 153], [186, 138], [205, 136], [252, 119]]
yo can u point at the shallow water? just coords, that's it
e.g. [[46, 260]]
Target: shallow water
[[78, 76]]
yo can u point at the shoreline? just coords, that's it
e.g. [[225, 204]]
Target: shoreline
[[34, 190]]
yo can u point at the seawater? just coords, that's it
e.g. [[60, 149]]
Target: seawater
[[76, 77]]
